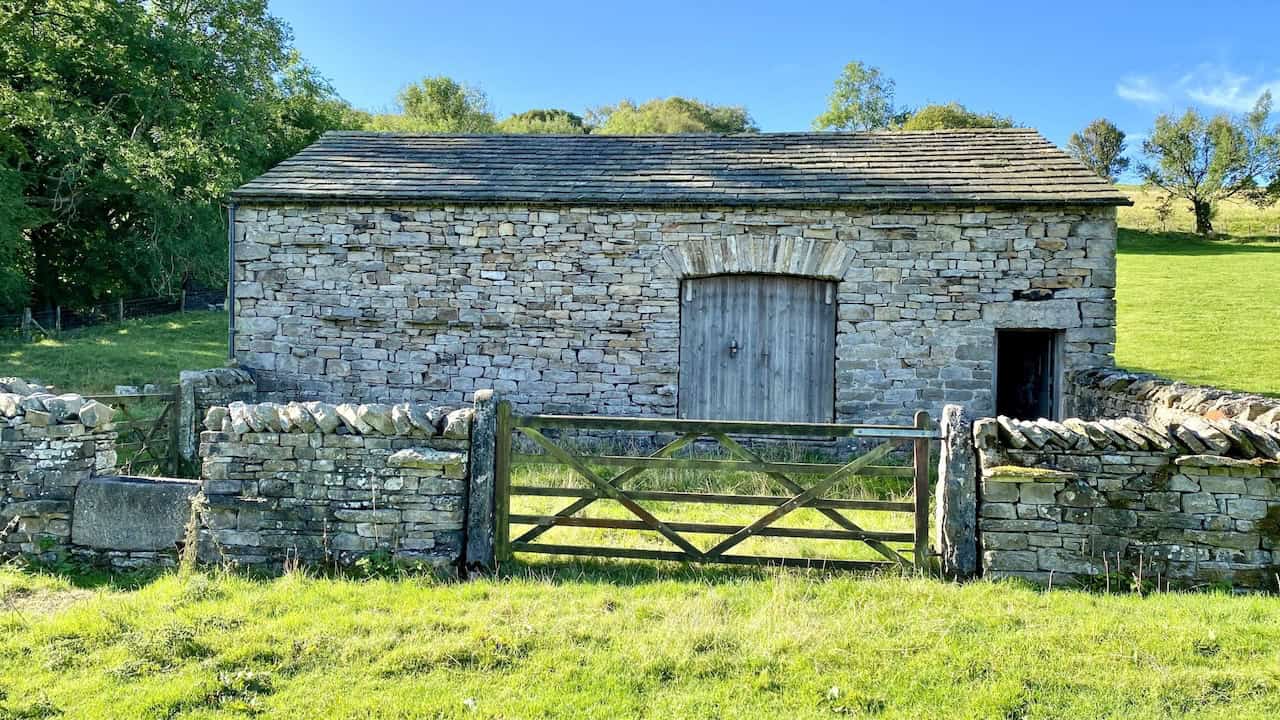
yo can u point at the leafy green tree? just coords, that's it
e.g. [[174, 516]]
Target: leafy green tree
[[123, 125], [951, 116], [670, 116], [861, 100], [439, 104], [544, 122], [1100, 146], [1207, 160]]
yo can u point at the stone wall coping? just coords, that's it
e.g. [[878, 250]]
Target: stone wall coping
[[402, 419], [216, 377], [1195, 437], [1197, 399], [21, 401]]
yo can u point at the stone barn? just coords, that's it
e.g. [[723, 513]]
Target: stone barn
[[796, 276]]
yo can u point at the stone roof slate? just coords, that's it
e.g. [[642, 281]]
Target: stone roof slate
[[961, 167]]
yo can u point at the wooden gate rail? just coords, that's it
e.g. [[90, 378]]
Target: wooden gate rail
[[145, 444], [613, 488]]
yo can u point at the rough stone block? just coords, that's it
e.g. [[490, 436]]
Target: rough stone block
[[120, 513]]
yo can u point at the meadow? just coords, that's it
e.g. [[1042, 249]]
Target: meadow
[[585, 640]]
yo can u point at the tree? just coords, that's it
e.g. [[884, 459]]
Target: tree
[[544, 122], [1205, 161], [861, 100], [950, 116], [124, 124], [670, 116], [1100, 146], [439, 104]]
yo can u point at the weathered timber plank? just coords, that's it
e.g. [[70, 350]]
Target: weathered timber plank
[[642, 554], [711, 528]]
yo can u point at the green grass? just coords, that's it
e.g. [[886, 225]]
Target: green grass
[[590, 641], [150, 350], [1203, 310]]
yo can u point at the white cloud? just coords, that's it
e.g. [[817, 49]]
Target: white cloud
[[1220, 87], [1139, 89]]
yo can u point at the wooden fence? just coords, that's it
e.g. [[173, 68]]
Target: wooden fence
[[601, 486]]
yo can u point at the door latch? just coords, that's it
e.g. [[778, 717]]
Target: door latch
[[733, 348]]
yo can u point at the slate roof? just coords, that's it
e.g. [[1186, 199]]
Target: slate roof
[[1006, 166]]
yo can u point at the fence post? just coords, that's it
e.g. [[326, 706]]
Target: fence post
[[479, 551], [957, 511], [175, 422], [26, 324], [921, 488], [57, 320], [502, 483], [120, 309], [182, 302]]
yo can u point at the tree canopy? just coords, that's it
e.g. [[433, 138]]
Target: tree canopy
[[951, 116], [668, 116], [439, 104], [862, 99], [544, 122], [123, 123], [1100, 146], [1207, 160]]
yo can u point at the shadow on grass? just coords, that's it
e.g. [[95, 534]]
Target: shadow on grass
[[1141, 242]]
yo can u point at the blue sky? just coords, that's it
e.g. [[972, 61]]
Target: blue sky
[[1053, 66]]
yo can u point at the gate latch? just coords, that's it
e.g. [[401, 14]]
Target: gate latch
[[733, 347]]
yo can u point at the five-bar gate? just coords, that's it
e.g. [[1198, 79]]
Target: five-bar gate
[[540, 431]]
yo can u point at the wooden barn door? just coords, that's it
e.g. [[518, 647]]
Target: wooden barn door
[[757, 347]]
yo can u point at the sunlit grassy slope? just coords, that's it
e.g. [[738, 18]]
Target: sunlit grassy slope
[[151, 350]]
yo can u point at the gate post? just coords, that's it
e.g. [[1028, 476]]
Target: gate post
[[479, 551], [957, 511], [920, 485]]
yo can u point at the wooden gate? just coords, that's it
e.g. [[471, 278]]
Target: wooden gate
[[147, 424], [601, 485]]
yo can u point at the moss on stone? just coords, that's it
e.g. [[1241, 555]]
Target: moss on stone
[[1269, 526], [1017, 473]]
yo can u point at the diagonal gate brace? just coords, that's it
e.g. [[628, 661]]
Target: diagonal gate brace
[[614, 493], [622, 477], [831, 514], [802, 499]]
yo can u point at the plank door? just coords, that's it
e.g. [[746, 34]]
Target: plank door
[[757, 347]]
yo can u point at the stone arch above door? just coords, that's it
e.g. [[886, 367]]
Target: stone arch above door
[[764, 255]]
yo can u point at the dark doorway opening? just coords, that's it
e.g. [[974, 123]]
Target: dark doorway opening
[[1027, 373]]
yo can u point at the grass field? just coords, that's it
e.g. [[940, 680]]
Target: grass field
[[1204, 311], [150, 350], [636, 641]]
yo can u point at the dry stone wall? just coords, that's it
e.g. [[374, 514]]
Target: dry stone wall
[[1111, 392], [321, 483], [200, 390], [49, 445], [1187, 503], [565, 309]]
